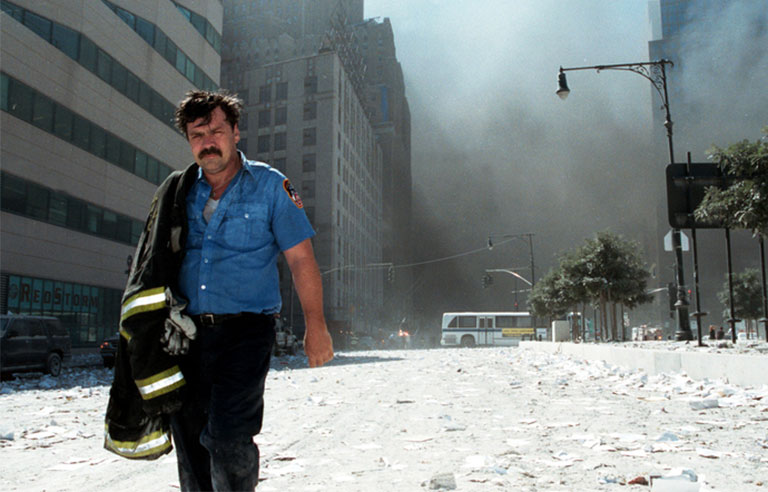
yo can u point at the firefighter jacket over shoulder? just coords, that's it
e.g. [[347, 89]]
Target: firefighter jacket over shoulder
[[147, 384]]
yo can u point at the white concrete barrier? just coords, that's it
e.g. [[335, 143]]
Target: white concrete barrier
[[741, 369]]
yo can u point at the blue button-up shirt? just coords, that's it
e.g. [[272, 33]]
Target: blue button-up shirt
[[230, 265]]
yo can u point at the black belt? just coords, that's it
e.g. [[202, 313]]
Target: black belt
[[211, 319]]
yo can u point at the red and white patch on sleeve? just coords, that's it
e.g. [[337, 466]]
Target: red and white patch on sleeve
[[288, 187]]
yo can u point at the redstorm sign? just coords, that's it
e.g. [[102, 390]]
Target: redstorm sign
[[33, 294]]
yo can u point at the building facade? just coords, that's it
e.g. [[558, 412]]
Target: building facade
[[88, 94], [309, 74]]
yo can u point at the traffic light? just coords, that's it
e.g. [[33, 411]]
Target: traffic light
[[391, 274], [672, 293], [487, 280]]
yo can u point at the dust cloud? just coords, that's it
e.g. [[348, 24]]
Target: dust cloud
[[494, 150]]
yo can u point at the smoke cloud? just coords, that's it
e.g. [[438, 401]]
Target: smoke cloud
[[496, 151]]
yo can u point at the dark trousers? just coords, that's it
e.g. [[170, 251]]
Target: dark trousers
[[223, 405]]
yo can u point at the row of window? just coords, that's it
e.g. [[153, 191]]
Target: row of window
[[281, 90], [29, 199], [95, 60], [156, 38], [203, 27], [90, 313], [279, 141], [36, 108], [281, 115]]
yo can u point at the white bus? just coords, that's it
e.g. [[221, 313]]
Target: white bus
[[494, 328]]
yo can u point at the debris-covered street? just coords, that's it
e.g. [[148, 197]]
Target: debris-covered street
[[463, 419]]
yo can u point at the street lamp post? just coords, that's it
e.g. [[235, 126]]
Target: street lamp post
[[655, 72], [524, 236]]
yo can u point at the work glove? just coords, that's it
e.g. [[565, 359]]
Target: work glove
[[179, 328]]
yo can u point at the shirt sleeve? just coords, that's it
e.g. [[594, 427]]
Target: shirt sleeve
[[290, 224]]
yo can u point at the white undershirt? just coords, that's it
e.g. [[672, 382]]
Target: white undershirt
[[210, 207]]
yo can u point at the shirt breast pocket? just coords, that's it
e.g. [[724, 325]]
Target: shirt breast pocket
[[244, 225]]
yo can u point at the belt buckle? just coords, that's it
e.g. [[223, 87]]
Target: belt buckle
[[208, 319]]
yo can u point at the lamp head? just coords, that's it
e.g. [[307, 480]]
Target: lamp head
[[562, 85]]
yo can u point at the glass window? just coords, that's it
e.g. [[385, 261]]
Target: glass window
[[281, 91], [279, 164], [39, 25], [243, 123], [308, 163], [145, 96], [181, 61], [63, 122], [57, 209], [92, 219], [119, 77], [113, 149], [310, 111], [76, 214], [87, 57], [152, 169], [132, 87], [42, 112], [127, 17], [160, 42], [264, 118], [467, 321], [170, 51], [14, 194], [263, 144], [454, 323], [199, 79], [103, 65], [127, 156], [163, 171], [506, 322], [310, 85], [66, 40], [140, 165], [37, 201], [146, 30], [281, 115], [12, 10], [109, 224], [4, 81], [190, 70], [280, 141], [98, 145], [265, 93], [309, 136], [136, 229], [156, 105], [20, 100], [81, 129]]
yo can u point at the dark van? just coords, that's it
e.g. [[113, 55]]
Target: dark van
[[33, 343]]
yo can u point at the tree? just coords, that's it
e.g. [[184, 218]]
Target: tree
[[606, 270], [743, 204], [747, 296]]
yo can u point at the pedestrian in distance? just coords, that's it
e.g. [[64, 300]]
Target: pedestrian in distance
[[204, 289], [712, 334], [720, 333]]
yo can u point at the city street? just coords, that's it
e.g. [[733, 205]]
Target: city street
[[463, 419]]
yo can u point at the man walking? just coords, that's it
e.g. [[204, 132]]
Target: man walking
[[206, 266]]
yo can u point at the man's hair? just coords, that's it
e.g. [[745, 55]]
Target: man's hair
[[200, 104]]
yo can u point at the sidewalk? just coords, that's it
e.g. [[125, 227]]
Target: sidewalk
[[736, 365]]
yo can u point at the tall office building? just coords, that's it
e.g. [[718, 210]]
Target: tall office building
[[716, 96], [325, 103], [88, 94]]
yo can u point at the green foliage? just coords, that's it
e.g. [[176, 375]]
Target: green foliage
[[743, 204], [606, 268], [747, 295]]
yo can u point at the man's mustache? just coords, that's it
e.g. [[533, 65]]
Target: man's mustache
[[209, 151]]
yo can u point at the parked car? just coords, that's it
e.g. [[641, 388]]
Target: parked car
[[285, 340], [108, 350], [33, 343]]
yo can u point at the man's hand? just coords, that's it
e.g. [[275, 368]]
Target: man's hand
[[318, 345]]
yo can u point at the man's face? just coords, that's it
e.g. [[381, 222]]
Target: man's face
[[214, 143]]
